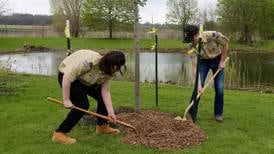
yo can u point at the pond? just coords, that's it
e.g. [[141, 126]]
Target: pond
[[243, 69]]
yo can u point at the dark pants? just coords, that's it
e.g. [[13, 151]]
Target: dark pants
[[78, 96], [205, 66]]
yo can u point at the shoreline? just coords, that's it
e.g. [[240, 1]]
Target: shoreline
[[104, 50]]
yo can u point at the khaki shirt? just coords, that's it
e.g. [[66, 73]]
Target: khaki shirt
[[83, 65], [213, 43]]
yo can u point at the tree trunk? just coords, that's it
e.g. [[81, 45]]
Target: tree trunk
[[137, 62], [77, 27], [246, 35], [110, 29]]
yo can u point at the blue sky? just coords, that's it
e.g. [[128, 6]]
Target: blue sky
[[155, 9]]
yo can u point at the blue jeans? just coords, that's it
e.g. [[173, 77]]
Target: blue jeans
[[205, 66]]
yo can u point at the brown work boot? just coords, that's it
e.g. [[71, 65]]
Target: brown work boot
[[62, 138], [105, 129]]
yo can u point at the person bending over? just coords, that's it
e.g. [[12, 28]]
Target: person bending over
[[87, 73], [213, 54]]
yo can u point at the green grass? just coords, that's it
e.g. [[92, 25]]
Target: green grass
[[9, 44], [27, 120], [12, 43], [259, 46]]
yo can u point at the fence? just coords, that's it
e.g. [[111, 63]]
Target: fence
[[48, 31]]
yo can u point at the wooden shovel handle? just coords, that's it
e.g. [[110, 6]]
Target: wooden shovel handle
[[92, 113], [204, 88]]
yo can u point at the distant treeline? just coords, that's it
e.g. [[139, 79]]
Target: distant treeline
[[25, 19]]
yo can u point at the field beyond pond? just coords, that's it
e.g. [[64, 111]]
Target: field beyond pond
[[12, 44], [28, 119]]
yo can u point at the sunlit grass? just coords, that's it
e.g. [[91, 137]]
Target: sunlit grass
[[12, 43], [165, 45], [260, 46]]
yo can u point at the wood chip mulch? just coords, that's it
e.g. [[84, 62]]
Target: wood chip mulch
[[160, 130]]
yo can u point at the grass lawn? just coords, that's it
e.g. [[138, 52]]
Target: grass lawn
[[12, 43], [28, 120], [9, 44], [267, 45]]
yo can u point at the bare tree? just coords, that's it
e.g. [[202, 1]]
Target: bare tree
[[209, 17], [67, 9], [3, 6], [136, 49], [182, 12], [137, 61]]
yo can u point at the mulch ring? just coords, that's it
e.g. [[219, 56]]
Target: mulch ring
[[160, 130], [155, 129]]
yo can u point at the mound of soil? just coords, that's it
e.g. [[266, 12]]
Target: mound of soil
[[31, 48], [160, 130]]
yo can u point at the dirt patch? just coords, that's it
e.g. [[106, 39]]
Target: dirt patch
[[5, 89], [31, 48], [161, 130]]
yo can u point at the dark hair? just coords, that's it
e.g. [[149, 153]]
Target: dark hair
[[112, 62], [189, 32]]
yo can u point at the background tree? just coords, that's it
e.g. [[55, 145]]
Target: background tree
[[246, 18], [67, 9], [266, 24], [182, 12], [3, 6], [108, 15], [209, 18]]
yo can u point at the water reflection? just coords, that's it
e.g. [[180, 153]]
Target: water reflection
[[32, 63], [257, 67], [170, 67]]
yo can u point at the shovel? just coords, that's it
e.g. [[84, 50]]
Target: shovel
[[199, 94], [94, 114]]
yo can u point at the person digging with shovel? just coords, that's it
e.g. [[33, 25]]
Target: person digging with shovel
[[212, 55], [87, 73]]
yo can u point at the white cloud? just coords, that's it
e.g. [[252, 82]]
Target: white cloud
[[157, 9], [154, 10], [29, 6]]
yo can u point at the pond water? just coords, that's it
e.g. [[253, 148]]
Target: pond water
[[256, 66], [172, 67]]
